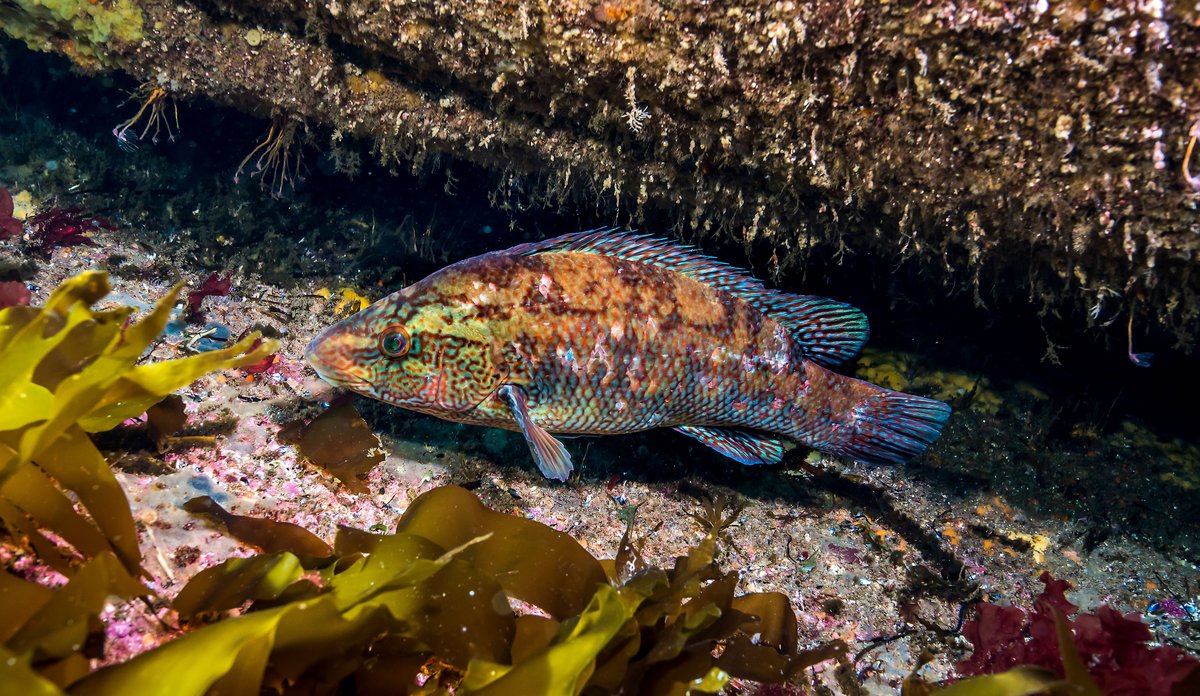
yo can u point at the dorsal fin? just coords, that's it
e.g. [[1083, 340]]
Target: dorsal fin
[[829, 332]]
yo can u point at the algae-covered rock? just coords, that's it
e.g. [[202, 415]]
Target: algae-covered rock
[[89, 32], [1027, 150]]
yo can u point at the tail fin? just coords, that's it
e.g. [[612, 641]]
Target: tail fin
[[890, 428]]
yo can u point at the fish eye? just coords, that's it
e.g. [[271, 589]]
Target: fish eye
[[394, 342]]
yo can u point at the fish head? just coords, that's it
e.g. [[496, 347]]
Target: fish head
[[412, 351]]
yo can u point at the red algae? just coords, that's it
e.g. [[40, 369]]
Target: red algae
[[65, 227], [213, 286], [14, 293], [1114, 646]]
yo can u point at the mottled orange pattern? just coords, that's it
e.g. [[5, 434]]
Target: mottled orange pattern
[[607, 333]]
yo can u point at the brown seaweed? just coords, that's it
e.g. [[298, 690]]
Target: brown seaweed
[[438, 595], [267, 535], [341, 442]]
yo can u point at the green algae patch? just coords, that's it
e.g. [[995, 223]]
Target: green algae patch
[[84, 30]]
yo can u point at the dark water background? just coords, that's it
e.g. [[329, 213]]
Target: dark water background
[[47, 111]]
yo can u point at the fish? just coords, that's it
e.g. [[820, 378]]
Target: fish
[[606, 332]]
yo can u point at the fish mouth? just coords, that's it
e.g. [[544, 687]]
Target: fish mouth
[[332, 366], [345, 381]]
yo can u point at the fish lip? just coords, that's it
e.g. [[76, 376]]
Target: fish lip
[[333, 376], [340, 379], [351, 382]]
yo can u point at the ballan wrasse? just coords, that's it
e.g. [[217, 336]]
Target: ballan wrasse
[[606, 332]]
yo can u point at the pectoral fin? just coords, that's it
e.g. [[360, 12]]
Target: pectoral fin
[[744, 446], [549, 454]]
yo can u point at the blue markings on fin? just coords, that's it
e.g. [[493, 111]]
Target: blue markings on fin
[[743, 446], [891, 428], [548, 453], [829, 332]]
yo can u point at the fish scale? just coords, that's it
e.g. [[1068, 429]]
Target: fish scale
[[606, 333], [705, 384]]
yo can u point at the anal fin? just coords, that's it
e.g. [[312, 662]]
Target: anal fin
[[743, 446], [548, 453]]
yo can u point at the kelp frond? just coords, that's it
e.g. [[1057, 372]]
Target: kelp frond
[[67, 370], [428, 610], [435, 598]]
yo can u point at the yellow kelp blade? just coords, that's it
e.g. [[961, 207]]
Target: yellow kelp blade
[[23, 329], [87, 287], [78, 466], [233, 652], [23, 401], [62, 366], [232, 655], [145, 385], [1077, 672], [19, 525], [533, 562], [39, 499], [229, 584], [83, 343], [18, 678], [61, 624], [563, 668], [13, 319], [1019, 681], [365, 577], [19, 600], [80, 393]]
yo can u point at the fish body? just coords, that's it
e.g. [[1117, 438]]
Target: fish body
[[603, 333]]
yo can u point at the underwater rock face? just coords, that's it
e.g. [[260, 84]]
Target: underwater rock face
[[1009, 149]]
